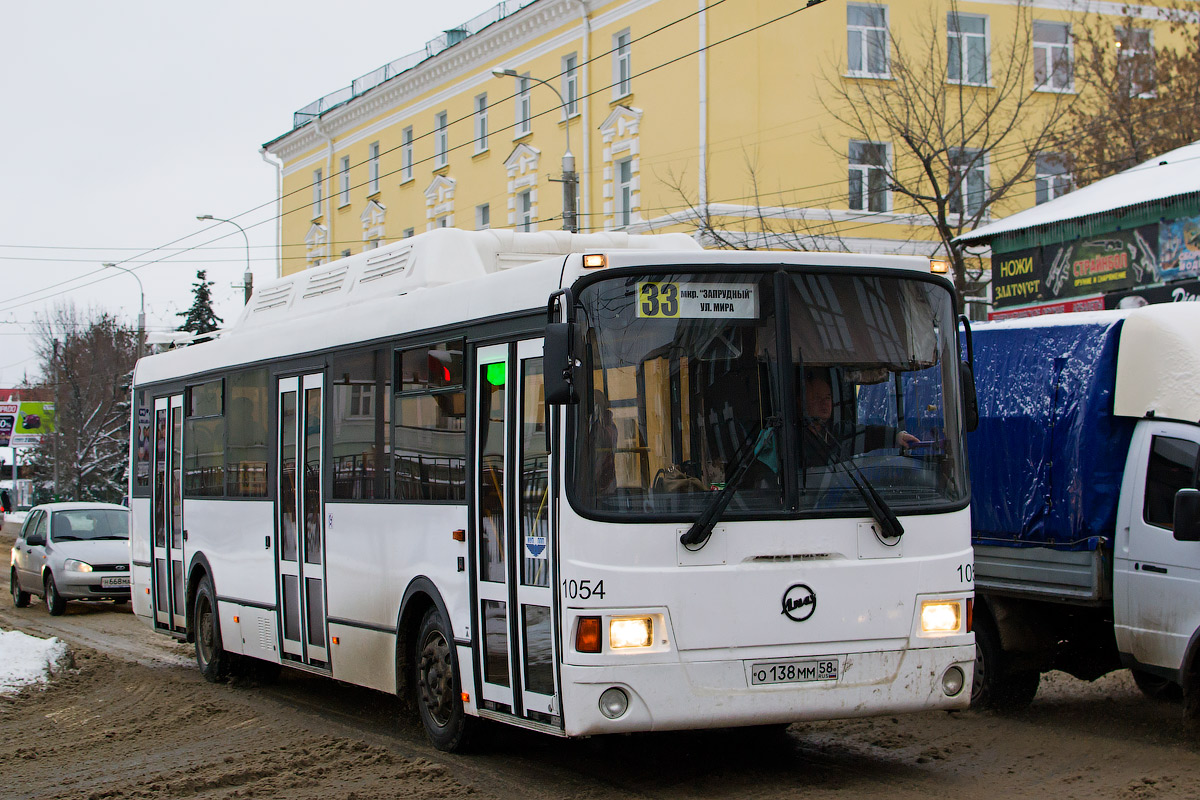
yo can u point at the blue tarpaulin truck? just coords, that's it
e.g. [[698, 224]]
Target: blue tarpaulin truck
[[1085, 509]]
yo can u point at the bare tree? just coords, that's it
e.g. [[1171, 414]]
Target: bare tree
[[1140, 96], [963, 133], [86, 360]]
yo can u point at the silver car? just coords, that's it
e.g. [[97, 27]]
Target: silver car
[[72, 551]]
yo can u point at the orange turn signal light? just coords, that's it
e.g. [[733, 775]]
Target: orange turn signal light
[[593, 260], [459, 535], [587, 635], [466, 698]]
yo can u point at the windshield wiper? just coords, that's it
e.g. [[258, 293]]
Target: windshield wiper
[[879, 508], [740, 464]]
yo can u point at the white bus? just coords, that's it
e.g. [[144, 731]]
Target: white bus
[[565, 482]]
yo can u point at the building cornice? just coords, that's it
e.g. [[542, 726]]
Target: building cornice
[[474, 52]]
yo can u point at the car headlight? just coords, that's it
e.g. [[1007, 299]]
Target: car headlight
[[626, 632], [941, 617], [74, 565]]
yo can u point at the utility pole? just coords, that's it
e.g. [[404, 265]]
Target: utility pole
[[247, 276], [54, 445], [570, 178]]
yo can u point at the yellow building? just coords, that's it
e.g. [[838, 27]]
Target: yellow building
[[681, 115]]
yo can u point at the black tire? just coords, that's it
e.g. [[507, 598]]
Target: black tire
[[1157, 688], [211, 657], [56, 604], [994, 685], [438, 688], [20, 599]]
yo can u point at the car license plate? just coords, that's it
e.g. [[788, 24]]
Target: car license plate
[[794, 671], [114, 583]]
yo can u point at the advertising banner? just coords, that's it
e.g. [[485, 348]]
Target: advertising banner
[[1109, 262], [1179, 249], [8, 421], [1095, 303], [1183, 292], [33, 421]]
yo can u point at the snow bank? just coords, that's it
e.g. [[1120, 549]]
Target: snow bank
[[26, 659]]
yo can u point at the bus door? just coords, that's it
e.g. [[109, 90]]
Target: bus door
[[170, 610], [517, 641], [300, 528]]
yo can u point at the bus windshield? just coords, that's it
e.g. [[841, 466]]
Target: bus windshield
[[685, 379]]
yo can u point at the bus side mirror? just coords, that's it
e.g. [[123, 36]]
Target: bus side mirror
[[970, 398], [1187, 515], [559, 359]]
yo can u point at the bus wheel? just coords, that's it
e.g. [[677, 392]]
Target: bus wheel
[[210, 656], [439, 698]]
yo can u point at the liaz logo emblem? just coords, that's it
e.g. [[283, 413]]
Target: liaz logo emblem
[[799, 602]]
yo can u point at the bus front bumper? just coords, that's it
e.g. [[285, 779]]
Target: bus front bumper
[[717, 694]]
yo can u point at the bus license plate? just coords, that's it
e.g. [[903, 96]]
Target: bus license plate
[[114, 583], [794, 671]]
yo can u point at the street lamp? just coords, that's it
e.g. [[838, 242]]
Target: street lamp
[[247, 276], [141, 342], [570, 179]]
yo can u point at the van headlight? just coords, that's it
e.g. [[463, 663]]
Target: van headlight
[[74, 565], [941, 617]]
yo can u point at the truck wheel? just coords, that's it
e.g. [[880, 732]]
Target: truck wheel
[[1157, 688], [438, 689], [993, 684]]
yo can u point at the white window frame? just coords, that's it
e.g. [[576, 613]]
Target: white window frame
[[960, 42], [483, 216], [622, 65], [864, 34], [344, 182], [961, 197], [406, 155], [1050, 182], [373, 168], [524, 107], [1048, 56], [524, 208], [408, 233], [361, 402], [441, 140], [865, 171], [481, 123], [623, 181], [570, 85], [1123, 59], [318, 197]]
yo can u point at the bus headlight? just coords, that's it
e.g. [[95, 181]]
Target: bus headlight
[[626, 632], [74, 565], [941, 616]]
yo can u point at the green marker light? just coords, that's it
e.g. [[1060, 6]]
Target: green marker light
[[497, 373]]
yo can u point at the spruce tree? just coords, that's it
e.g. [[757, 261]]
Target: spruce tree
[[200, 318]]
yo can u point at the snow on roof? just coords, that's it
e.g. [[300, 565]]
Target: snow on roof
[[26, 659], [1169, 175]]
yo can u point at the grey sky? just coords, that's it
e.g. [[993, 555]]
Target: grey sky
[[124, 120]]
